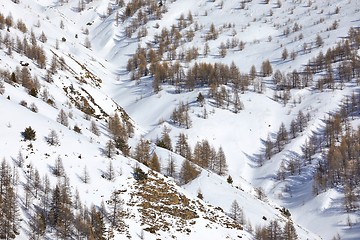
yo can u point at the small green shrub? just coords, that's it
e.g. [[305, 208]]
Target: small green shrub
[[139, 174], [29, 134]]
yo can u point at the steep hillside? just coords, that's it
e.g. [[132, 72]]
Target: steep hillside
[[243, 108]]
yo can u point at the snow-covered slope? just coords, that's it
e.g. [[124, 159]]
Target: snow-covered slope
[[96, 49]]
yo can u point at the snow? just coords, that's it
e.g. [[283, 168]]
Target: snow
[[240, 135]]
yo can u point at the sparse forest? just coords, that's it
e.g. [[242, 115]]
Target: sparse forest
[[253, 101]]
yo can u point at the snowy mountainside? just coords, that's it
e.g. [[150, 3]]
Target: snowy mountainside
[[91, 72], [86, 168]]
